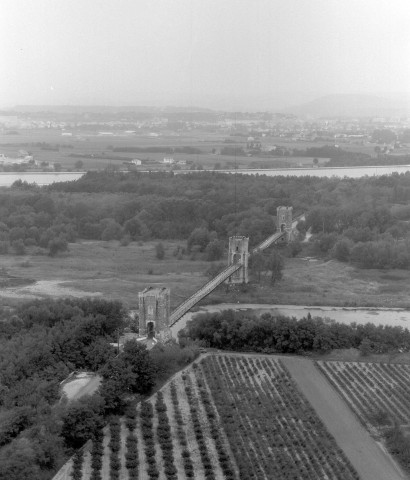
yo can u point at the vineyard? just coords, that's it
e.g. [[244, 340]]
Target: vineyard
[[376, 392], [272, 430], [175, 435], [227, 417]]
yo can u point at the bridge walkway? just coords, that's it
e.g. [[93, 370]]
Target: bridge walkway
[[205, 290]]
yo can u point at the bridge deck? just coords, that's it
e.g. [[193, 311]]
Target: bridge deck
[[268, 241], [206, 289]]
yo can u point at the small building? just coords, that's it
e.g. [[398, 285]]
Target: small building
[[136, 161], [168, 160]]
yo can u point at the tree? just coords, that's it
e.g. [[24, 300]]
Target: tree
[[201, 237], [214, 250], [258, 264], [81, 420], [276, 264], [18, 247], [131, 372], [341, 250], [79, 164], [160, 251], [57, 245], [112, 230]]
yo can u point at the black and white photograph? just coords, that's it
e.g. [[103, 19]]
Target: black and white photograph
[[205, 240]]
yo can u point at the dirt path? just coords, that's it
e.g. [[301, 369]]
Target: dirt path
[[369, 460]]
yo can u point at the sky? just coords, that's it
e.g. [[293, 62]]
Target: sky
[[210, 53]]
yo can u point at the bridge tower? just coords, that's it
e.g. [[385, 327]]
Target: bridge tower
[[154, 311], [284, 221], [238, 253]]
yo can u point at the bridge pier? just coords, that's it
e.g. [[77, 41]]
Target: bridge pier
[[154, 312], [238, 254], [284, 222]]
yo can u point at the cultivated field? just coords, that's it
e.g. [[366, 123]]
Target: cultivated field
[[377, 392], [272, 429], [228, 417], [98, 148]]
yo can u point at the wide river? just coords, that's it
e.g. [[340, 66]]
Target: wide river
[[360, 315], [41, 178], [341, 172], [46, 178]]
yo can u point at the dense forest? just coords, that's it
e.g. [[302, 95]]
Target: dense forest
[[230, 330], [40, 344], [365, 221]]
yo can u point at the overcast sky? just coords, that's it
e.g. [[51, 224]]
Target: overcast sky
[[200, 52]]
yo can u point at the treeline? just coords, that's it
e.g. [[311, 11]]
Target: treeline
[[40, 344], [371, 237], [271, 333], [207, 207], [160, 149]]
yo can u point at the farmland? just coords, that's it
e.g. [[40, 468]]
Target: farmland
[[376, 392], [269, 429], [98, 152]]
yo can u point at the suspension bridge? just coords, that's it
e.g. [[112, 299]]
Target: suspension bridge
[[155, 317]]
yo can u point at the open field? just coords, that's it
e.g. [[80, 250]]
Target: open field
[[103, 269], [318, 282], [115, 272]]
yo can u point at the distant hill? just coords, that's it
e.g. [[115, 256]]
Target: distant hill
[[350, 105], [78, 109]]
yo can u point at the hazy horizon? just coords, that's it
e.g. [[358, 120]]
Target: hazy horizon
[[248, 54]]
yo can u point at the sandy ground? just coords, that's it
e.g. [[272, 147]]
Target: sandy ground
[[45, 288], [369, 460], [84, 385]]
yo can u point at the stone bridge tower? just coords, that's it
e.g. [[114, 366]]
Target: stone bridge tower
[[284, 221], [154, 311], [238, 253]]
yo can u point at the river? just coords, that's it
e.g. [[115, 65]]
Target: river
[[41, 178], [360, 315], [46, 178], [351, 172]]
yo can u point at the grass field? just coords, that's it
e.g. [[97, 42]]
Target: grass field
[[101, 268], [112, 271], [318, 282]]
